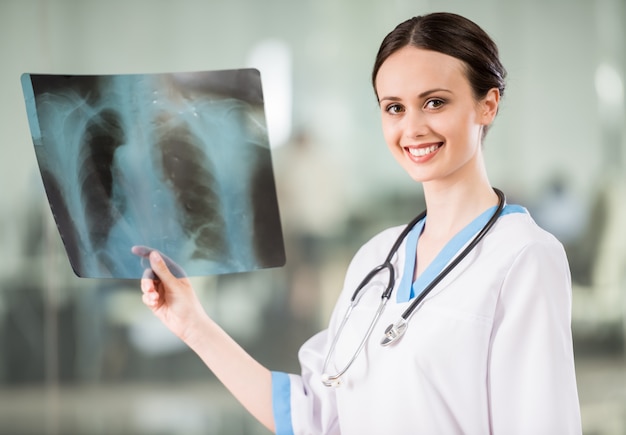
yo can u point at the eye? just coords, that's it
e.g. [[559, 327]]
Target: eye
[[394, 109], [434, 103]]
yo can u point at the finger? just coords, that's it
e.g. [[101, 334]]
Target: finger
[[147, 285], [141, 251], [151, 293], [176, 270], [159, 267], [144, 252], [149, 275], [151, 299]]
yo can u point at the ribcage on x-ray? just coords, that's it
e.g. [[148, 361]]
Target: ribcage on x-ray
[[160, 161], [190, 176], [102, 137]]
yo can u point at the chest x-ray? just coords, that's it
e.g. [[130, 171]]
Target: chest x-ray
[[178, 162]]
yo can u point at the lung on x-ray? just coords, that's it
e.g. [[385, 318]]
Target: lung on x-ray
[[177, 162]]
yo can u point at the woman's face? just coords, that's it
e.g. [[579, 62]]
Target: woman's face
[[430, 118]]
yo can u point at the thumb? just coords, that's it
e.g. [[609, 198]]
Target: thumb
[[169, 264], [160, 269]]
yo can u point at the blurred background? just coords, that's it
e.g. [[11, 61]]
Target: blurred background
[[82, 356]]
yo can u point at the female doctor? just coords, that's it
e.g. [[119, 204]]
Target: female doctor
[[488, 348]]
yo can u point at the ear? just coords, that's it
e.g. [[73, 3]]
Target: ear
[[488, 106]]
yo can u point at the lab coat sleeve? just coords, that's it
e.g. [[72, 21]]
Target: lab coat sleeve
[[302, 404], [531, 380]]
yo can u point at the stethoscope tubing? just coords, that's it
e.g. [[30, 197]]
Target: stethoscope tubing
[[395, 331], [334, 380], [477, 238]]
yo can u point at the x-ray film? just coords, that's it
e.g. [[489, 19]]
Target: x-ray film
[[177, 162]]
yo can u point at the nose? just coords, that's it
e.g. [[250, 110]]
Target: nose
[[415, 124]]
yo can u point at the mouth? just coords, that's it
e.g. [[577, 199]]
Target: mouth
[[422, 151]]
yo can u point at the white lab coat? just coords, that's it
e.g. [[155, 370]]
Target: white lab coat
[[489, 351]]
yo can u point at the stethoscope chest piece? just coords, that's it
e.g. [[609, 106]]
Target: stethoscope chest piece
[[394, 332]]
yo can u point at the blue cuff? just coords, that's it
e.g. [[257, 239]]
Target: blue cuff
[[281, 403]]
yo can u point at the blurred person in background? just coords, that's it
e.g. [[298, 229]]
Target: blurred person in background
[[479, 337]]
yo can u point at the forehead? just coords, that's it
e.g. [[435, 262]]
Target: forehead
[[412, 69]]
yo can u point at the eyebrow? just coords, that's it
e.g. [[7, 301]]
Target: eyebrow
[[421, 95]]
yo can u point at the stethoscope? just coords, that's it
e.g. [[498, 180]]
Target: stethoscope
[[395, 331]]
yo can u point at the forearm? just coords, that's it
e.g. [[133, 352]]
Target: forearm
[[175, 303], [242, 375]]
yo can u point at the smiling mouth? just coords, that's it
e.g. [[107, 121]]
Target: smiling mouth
[[424, 151]]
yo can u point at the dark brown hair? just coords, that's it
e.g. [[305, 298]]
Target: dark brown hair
[[455, 36]]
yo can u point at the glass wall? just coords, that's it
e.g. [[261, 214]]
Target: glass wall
[[85, 356]]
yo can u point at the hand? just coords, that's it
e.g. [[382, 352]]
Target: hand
[[174, 301], [171, 298]]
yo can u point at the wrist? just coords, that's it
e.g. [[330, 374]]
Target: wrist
[[197, 330]]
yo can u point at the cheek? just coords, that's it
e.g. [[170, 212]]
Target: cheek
[[456, 127], [391, 133]]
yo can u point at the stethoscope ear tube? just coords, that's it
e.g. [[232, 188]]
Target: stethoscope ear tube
[[395, 331]]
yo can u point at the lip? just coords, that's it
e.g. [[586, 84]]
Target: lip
[[422, 148]]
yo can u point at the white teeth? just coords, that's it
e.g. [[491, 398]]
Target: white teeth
[[419, 152]]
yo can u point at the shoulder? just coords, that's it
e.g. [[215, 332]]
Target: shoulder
[[518, 243], [517, 230]]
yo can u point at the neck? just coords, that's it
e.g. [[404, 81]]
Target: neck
[[452, 207]]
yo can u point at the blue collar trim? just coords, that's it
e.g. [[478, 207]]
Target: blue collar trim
[[408, 290]]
